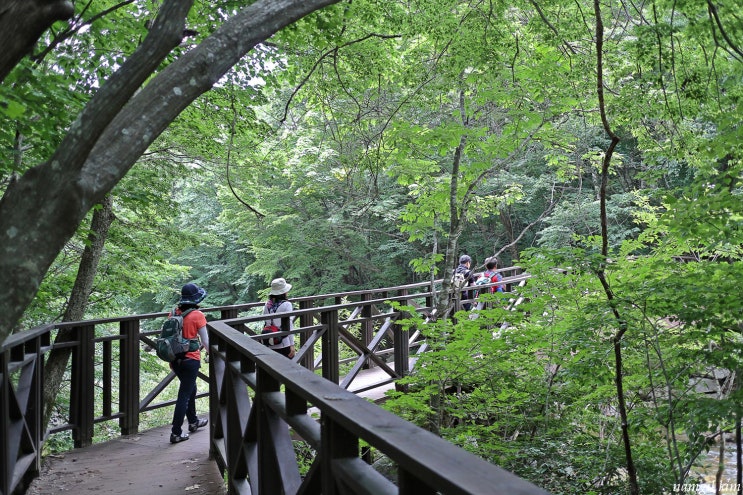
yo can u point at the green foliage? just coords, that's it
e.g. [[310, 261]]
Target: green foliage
[[328, 157], [539, 397]]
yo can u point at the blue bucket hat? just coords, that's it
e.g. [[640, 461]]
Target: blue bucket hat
[[192, 294]]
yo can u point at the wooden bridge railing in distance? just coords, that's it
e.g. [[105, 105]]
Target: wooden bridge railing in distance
[[358, 335], [365, 329], [260, 399]]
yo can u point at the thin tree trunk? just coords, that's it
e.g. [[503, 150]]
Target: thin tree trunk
[[456, 222], [738, 456], [622, 323], [720, 463], [456, 226], [505, 219], [434, 250], [56, 364]]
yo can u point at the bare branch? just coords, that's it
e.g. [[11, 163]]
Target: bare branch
[[322, 57], [229, 156], [716, 18]]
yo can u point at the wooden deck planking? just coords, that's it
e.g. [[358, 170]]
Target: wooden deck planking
[[135, 464], [148, 462]]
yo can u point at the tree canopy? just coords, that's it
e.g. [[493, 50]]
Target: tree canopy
[[370, 143], [41, 209]]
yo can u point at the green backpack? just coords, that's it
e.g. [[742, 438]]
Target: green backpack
[[171, 345]]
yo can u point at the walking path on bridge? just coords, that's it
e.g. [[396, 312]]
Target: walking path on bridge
[[135, 464], [148, 463]]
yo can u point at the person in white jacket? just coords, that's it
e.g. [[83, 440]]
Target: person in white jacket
[[279, 303]]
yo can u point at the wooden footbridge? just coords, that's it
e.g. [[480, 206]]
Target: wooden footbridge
[[259, 403]]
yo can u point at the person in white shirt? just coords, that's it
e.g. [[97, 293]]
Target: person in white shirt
[[279, 303]]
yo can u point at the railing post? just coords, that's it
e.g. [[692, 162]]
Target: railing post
[[367, 326], [35, 405], [305, 320], [6, 474], [228, 313], [330, 339], [214, 393], [82, 395], [129, 376], [430, 297], [402, 352], [107, 378], [269, 475], [234, 400], [338, 443]]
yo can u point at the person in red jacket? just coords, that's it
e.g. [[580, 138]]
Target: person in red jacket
[[491, 275], [187, 368]]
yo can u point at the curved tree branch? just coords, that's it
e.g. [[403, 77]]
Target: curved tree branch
[[716, 18], [42, 210], [551, 26], [22, 22], [229, 161]]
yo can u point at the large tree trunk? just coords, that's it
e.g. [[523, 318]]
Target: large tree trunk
[[56, 364], [22, 22], [446, 304], [40, 211]]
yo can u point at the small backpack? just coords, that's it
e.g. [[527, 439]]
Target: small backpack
[[488, 277], [271, 328], [171, 345], [459, 280], [483, 279]]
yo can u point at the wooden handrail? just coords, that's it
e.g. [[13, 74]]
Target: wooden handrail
[[259, 394]]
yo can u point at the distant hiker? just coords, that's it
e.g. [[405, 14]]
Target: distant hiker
[[491, 276], [463, 277], [278, 303], [487, 277], [186, 368]]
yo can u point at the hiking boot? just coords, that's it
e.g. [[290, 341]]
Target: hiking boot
[[178, 438], [200, 423]]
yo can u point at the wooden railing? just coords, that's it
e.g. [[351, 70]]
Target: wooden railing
[[350, 331], [260, 400]]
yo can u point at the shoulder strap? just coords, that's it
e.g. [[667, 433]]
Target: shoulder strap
[[184, 313], [276, 307], [183, 319]]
